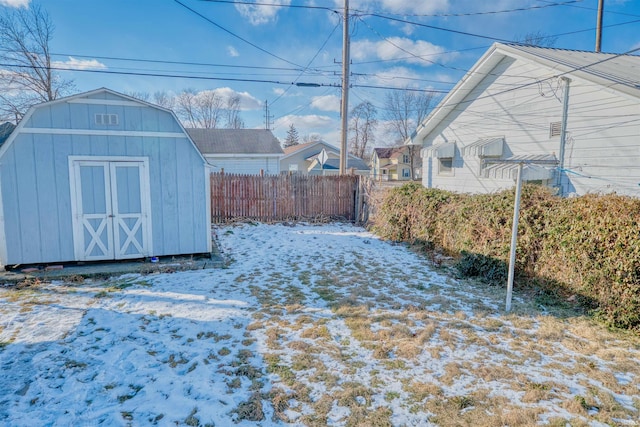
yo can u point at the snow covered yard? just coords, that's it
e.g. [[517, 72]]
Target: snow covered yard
[[308, 325]]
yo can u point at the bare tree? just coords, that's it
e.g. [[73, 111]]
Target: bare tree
[[311, 137], [362, 126], [404, 111], [164, 100], [142, 96], [27, 78], [233, 113], [537, 38], [199, 109]]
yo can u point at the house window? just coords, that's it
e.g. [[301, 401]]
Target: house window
[[406, 173], [107, 119], [384, 171], [445, 166], [405, 158], [555, 129]]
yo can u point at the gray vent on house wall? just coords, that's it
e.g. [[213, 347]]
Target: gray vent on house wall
[[555, 128], [107, 119]]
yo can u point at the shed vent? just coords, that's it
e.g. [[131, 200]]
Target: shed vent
[[107, 119], [555, 128]]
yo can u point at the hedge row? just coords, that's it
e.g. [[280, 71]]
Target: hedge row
[[586, 246]]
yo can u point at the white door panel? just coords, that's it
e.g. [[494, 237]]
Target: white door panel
[[111, 209]]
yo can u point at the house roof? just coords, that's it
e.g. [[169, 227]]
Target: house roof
[[235, 141], [318, 145], [314, 148], [619, 72]]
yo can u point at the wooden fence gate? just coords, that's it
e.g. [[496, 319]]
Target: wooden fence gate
[[287, 197]]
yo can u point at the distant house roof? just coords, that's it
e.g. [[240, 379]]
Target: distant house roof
[[5, 130], [315, 147], [235, 141], [352, 162]]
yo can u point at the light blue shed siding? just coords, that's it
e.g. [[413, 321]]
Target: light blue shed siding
[[34, 175]]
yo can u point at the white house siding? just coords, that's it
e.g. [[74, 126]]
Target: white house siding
[[603, 133], [35, 187], [245, 165]]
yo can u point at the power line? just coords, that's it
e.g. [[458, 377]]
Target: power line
[[307, 84], [236, 35], [290, 6], [309, 63], [490, 12]]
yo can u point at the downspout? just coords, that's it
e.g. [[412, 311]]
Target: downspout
[[563, 134]]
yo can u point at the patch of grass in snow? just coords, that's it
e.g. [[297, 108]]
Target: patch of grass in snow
[[316, 332], [224, 351], [275, 366], [280, 403], [174, 361], [251, 410], [71, 364], [135, 389]]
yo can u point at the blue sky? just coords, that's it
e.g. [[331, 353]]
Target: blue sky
[[256, 52]]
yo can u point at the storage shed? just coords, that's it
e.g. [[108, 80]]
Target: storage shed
[[101, 176]]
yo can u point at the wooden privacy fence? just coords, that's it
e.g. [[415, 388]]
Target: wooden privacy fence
[[286, 197]]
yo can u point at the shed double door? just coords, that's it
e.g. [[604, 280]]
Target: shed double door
[[112, 212]]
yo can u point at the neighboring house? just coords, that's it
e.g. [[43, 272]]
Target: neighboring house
[[241, 151], [307, 159], [571, 118], [395, 163], [101, 176]]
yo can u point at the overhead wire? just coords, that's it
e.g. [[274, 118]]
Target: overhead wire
[[235, 35], [309, 63]]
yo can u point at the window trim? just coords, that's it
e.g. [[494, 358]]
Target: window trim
[[450, 171]]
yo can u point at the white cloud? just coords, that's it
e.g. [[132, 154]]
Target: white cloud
[[397, 77], [306, 123], [326, 103], [261, 14], [278, 91], [247, 101], [15, 3], [399, 48], [79, 64], [232, 51]]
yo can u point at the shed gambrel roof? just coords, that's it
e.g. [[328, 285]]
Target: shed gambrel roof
[[235, 141], [619, 72], [133, 101]]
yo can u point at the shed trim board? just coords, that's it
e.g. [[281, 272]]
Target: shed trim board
[[207, 184], [111, 232], [97, 132], [105, 102], [3, 238], [240, 156]]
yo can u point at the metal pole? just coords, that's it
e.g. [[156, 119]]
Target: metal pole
[[563, 133], [344, 107], [599, 25], [514, 238]]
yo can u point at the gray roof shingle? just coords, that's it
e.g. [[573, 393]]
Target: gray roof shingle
[[235, 141]]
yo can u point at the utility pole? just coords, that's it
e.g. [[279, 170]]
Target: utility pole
[[563, 133], [344, 106], [267, 116], [599, 25]]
